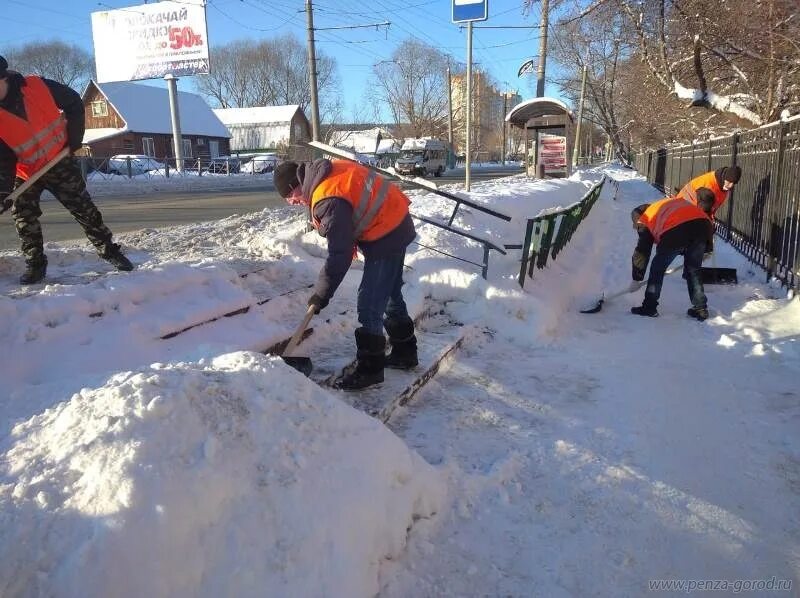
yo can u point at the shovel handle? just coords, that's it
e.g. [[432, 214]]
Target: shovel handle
[[298, 334], [12, 197]]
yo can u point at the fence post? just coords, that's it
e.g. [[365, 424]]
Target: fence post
[[775, 199], [166, 167], [708, 163], [732, 192], [526, 249], [128, 162]]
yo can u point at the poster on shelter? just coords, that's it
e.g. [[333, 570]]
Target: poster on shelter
[[553, 154], [150, 41]]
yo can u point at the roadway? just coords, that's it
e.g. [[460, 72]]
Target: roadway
[[129, 212]]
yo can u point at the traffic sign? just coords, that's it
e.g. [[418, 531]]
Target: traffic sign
[[470, 10]]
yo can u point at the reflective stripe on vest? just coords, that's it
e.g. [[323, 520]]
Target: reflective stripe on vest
[[364, 213], [39, 136], [378, 205]]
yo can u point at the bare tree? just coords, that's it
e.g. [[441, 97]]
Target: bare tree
[[269, 72], [413, 84], [65, 63], [739, 57]]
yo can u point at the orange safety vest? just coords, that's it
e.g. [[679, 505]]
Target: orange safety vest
[[709, 181], [664, 214], [37, 139], [378, 205]]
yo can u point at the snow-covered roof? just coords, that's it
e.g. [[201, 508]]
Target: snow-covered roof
[[257, 114], [92, 135], [145, 109], [388, 146], [534, 107], [364, 141]]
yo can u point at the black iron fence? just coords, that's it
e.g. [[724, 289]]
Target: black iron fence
[[761, 218], [547, 234]]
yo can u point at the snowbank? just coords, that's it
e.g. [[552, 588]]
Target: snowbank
[[231, 476]]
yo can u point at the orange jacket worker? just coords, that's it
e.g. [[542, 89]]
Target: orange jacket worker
[[676, 227], [39, 118], [353, 206], [719, 182]]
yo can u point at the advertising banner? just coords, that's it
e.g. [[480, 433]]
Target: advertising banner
[[553, 154], [150, 41]]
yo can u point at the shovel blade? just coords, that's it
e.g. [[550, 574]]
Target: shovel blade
[[594, 309], [301, 364], [718, 275]]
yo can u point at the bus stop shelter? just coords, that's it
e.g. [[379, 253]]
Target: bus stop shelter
[[541, 118]]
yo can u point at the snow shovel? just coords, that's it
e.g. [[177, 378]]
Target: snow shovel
[[714, 275], [301, 364], [599, 305], [12, 197]]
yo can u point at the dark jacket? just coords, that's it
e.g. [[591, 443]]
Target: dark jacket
[[676, 238], [336, 225], [65, 98]]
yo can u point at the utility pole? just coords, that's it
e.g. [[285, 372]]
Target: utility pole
[[312, 72], [580, 120], [449, 114], [540, 71], [469, 105], [177, 139], [505, 126]]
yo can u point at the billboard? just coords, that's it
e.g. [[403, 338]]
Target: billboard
[[553, 153], [150, 41]]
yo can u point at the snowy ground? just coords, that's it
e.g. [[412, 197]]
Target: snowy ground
[[559, 454]]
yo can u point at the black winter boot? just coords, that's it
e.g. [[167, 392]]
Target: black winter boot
[[34, 271], [404, 344], [113, 255], [644, 310], [370, 360], [698, 313]]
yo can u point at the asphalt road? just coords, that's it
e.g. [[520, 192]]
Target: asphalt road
[[153, 210]]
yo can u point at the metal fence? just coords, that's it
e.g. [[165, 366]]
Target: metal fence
[[548, 234], [761, 218], [134, 167]]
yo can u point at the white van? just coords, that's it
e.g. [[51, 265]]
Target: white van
[[422, 157]]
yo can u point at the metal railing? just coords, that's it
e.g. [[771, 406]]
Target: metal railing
[[137, 168], [547, 234], [761, 218]]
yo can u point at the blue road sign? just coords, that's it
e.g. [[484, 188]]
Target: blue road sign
[[470, 10]]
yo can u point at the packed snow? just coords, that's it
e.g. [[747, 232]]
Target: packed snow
[[150, 448]]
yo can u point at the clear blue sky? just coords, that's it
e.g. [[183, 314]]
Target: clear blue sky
[[498, 51]]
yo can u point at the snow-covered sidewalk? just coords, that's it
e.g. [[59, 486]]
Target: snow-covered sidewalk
[[567, 454]]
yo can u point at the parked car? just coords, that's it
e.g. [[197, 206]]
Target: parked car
[[261, 163], [139, 164], [224, 165]]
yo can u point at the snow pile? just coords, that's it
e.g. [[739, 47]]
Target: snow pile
[[229, 476]]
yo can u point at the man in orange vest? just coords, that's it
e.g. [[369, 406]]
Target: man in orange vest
[[719, 182], [676, 227], [353, 206], [38, 118]]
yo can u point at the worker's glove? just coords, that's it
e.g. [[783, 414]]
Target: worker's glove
[[318, 302], [6, 202], [707, 256]]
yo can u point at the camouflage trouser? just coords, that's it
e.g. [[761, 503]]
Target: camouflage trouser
[[63, 180]]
